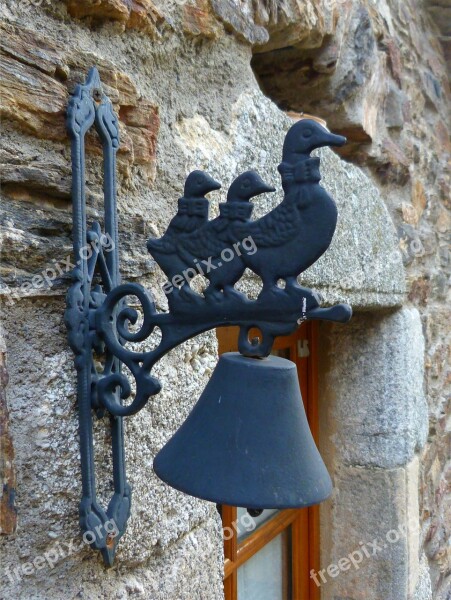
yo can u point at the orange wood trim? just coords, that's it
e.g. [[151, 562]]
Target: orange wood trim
[[228, 339], [229, 515], [287, 341], [300, 555], [287, 575], [228, 566], [260, 538], [230, 587], [313, 560], [313, 417]]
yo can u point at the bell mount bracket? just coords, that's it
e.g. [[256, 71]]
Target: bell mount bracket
[[98, 319]]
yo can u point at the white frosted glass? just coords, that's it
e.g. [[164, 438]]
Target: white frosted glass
[[266, 575]]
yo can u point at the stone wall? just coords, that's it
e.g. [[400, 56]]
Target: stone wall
[[188, 79], [374, 426]]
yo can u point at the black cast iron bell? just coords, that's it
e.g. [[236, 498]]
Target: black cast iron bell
[[247, 441]]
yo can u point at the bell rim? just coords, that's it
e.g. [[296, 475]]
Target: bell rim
[[244, 503]]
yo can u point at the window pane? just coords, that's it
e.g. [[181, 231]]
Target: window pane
[[267, 575], [247, 523]]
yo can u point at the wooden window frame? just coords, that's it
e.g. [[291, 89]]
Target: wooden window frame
[[304, 522]]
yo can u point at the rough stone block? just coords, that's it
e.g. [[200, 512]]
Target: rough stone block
[[394, 108], [32, 49], [143, 124], [372, 390], [45, 434], [419, 198], [25, 170], [136, 14], [144, 16], [348, 89], [239, 17], [442, 16], [423, 590], [32, 99], [371, 534], [392, 165], [198, 20], [106, 9]]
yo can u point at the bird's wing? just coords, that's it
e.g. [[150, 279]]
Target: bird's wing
[[274, 229], [207, 241], [179, 224]]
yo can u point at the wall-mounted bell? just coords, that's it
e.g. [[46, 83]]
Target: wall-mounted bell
[[247, 441]]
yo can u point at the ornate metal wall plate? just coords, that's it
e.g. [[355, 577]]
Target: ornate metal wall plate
[[277, 248]]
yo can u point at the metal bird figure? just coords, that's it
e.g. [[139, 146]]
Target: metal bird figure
[[191, 215], [216, 243], [300, 229]]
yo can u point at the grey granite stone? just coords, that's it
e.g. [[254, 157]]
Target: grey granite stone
[[372, 393], [370, 528]]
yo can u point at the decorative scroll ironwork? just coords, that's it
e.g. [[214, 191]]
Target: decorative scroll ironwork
[[90, 106], [277, 247]]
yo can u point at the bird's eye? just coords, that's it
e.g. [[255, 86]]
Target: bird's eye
[[199, 181], [246, 183], [307, 133]]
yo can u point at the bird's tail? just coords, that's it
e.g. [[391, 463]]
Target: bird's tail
[[159, 245], [153, 244]]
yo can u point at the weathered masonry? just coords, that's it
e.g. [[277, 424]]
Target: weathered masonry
[[214, 85]]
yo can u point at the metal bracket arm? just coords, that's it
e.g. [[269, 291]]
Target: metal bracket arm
[[287, 241]]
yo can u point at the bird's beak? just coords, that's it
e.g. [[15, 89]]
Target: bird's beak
[[330, 139], [264, 188], [213, 185]]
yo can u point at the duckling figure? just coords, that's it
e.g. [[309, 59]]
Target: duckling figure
[[290, 238], [216, 244], [191, 215]]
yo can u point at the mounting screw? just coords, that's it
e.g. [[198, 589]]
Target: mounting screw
[[97, 94]]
